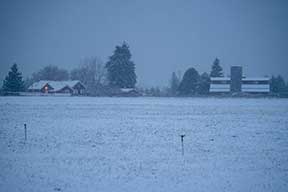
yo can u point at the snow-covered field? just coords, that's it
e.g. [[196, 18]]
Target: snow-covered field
[[133, 144]]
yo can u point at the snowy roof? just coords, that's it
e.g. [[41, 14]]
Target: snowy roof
[[127, 90], [56, 85], [38, 85], [243, 79], [220, 78], [256, 79]]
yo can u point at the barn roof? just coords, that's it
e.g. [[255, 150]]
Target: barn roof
[[243, 78], [256, 79], [220, 78]]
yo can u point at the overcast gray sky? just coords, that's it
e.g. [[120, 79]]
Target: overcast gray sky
[[163, 36]]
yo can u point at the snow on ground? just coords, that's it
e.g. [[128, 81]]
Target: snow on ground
[[133, 144]]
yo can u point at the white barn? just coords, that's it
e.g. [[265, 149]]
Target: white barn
[[248, 85], [255, 85], [220, 84], [237, 83]]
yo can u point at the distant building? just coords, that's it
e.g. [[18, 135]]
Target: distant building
[[256, 85], [220, 84], [58, 87], [123, 92], [237, 83], [130, 92]]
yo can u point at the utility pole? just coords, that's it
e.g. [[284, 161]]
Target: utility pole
[[25, 131], [182, 143]]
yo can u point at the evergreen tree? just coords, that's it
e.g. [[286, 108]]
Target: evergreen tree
[[273, 84], [120, 69], [277, 84], [204, 84], [13, 81], [174, 84], [216, 70], [155, 91], [189, 83]]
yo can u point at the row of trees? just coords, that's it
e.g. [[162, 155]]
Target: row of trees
[[194, 83], [118, 72]]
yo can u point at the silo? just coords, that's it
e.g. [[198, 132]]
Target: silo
[[236, 79]]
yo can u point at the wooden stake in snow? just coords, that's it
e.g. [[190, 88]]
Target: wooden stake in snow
[[25, 131], [182, 143]]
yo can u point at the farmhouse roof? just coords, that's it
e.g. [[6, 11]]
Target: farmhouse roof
[[56, 85]]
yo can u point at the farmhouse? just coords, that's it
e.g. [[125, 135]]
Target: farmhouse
[[58, 87], [237, 83]]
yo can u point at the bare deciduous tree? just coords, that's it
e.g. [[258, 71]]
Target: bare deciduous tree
[[52, 73], [91, 72]]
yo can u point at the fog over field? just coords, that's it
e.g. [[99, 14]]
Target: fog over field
[[134, 144], [164, 36]]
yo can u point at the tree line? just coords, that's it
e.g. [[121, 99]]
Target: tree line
[[99, 78], [195, 84], [119, 72]]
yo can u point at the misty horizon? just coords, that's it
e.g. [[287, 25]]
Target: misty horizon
[[163, 36]]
